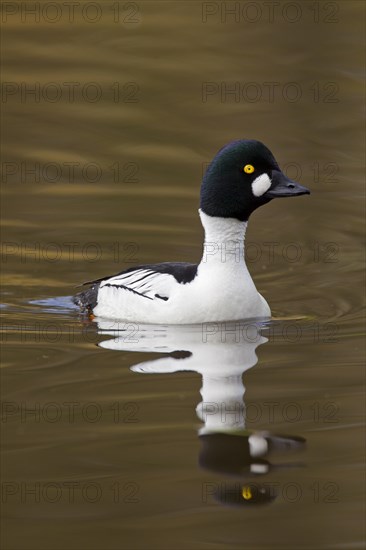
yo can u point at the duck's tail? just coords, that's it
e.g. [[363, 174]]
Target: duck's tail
[[87, 300]]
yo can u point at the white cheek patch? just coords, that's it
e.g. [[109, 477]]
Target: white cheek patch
[[260, 185]]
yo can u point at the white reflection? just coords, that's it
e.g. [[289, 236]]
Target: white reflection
[[220, 353]]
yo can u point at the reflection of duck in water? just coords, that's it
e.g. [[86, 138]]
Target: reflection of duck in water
[[243, 176], [220, 353]]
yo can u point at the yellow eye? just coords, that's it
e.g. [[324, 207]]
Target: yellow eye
[[246, 492], [248, 169]]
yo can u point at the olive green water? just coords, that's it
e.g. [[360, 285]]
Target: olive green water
[[101, 171]]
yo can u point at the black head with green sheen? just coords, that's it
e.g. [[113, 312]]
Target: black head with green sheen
[[243, 176]]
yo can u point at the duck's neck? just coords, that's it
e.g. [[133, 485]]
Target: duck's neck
[[224, 240]]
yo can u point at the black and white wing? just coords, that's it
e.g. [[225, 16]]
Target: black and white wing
[[153, 282]]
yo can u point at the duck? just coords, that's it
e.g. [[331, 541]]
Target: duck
[[243, 176]]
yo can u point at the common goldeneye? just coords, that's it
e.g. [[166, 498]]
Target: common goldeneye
[[242, 176]]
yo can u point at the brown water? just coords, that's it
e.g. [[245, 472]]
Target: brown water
[[101, 171]]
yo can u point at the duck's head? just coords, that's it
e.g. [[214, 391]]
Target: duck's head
[[242, 176]]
